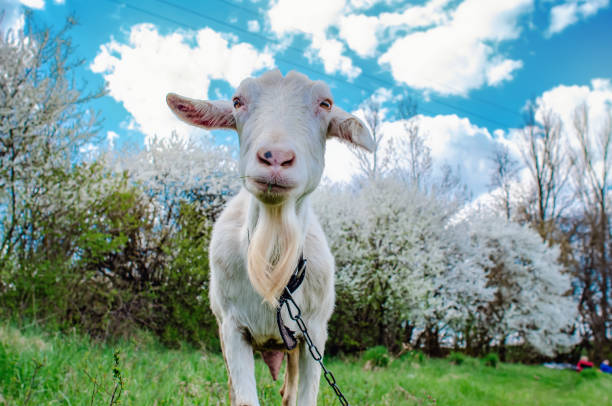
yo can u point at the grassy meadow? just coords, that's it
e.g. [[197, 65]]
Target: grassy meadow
[[42, 368]]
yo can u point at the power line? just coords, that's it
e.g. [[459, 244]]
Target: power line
[[239, 7], [292, 62], [233, 27], [437, 100], [301, 52], [294, 48]]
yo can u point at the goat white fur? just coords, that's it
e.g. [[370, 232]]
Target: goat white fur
[[282, 123]]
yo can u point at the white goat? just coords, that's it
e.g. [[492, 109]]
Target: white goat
[[282, 124]]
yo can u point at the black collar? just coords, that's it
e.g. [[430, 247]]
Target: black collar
[[295, 281], [298, 276]]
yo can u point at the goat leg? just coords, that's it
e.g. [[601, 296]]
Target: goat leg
[[290, 386], [238, 355], [310, 371]]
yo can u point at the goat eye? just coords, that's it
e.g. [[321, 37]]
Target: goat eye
[[237, 102], [326, 104]]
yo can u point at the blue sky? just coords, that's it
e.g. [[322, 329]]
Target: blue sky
[[471, 64]]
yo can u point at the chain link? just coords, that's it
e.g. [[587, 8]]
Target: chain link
[[296, 315]]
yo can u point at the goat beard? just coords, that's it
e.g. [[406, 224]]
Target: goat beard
[[273, 251]]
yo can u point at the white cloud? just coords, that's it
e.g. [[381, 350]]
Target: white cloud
[[340, 163], [460, 54], [562, 16], [37, 4], [571, 11], [432, 12], [89, 151], [12, 16], [382, 95], [142, 71], [11, 13], [459, 143], [364, 33], [313, 18], [563, 100], [502, 71], [330, 53], [368, 4], [359, 32], [363, 4], [253, 26], [446, 46], [111, 136]]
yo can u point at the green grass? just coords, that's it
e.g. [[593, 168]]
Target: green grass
[[41, 368]]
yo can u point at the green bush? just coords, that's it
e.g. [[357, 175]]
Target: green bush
[[106, 267], [183, 295], [589, 373], [378, 356], [82, 244], [456, 358], [421, 356], [491, 360], [350, 326], [415, 356], [74, 273]]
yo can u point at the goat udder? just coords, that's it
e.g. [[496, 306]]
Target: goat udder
[[273, 360]]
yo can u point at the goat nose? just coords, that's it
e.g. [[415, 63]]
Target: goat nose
[[276, 157]]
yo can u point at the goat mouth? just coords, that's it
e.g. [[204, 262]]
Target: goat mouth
[[270, 186]]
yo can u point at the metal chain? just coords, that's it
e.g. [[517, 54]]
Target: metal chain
[[287, 300]]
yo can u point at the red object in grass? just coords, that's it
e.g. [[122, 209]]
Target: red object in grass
[[583, 364]]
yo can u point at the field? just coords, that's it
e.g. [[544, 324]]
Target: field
[[42, 368]]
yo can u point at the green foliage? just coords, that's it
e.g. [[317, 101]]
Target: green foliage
[[491, 360], [590, 373], [104, 267], [103, 264], [350, 325], [378, 356], [184, 292], [118, 378], [66, 276], [456, 358], [413, 356], [421, 356]]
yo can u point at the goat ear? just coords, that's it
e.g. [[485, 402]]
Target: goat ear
[[349, 128], [202, 113]]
